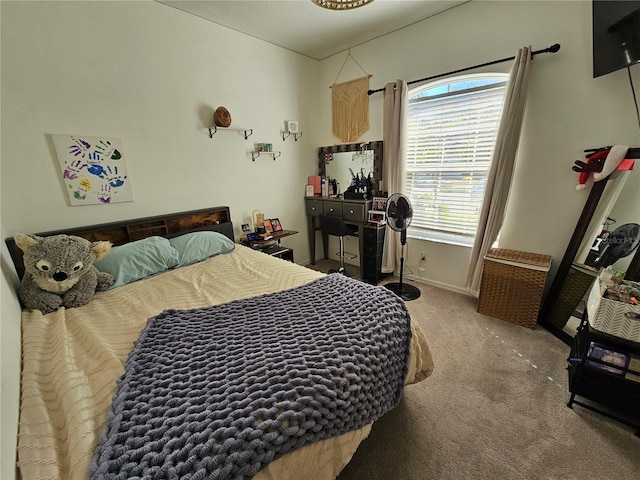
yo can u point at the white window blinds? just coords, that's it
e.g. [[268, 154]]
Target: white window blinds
[[452, 128]]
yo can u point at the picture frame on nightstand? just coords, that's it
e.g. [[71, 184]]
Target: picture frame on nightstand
[[275, 224]]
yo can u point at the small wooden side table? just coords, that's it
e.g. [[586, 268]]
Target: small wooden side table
[[270, 248]]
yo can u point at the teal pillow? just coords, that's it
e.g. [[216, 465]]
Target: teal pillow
[[137, 260], [197, 246]]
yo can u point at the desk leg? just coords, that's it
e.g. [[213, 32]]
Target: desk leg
[[361, 243], [325, 245], [311, 222]]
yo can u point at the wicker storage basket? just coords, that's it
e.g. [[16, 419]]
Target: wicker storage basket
[[616, 318], [512, 285]]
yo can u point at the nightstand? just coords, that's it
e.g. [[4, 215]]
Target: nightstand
[[271, 248]]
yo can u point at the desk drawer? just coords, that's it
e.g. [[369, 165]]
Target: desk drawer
[[373, 234], [372, 262], [353, 212], [333, 208], [314, 207], [373, 248]]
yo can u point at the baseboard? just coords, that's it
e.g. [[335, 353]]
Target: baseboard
[[424, 281], [433, 283]]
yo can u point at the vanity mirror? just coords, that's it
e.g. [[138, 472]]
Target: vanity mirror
[[351, 161]]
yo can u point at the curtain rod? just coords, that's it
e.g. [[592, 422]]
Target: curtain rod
[[552, 49]]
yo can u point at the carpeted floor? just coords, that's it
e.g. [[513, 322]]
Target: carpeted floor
[[494, 408]]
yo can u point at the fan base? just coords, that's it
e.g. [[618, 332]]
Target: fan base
[[341, 270], [404, 291]]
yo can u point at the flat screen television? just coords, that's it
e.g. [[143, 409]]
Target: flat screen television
[[616, 35]]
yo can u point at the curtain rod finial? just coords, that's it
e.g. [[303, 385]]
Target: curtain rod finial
[[554, 48]]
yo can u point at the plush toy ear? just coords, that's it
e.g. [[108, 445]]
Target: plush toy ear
[[25, 242], [100, 249]]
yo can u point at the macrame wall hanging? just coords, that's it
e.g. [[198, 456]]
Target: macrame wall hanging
[[350, 105]]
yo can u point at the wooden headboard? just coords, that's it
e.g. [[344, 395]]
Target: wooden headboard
[[217, 219]]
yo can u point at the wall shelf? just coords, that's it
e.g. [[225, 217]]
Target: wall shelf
[[246, 131], [286, 135], [255, 155]]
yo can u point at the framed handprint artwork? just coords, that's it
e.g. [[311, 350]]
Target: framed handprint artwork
[[93, 169]]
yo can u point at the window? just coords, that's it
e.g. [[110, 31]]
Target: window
[[452, 127]]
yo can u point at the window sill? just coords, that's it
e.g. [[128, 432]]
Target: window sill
[[439, 237]]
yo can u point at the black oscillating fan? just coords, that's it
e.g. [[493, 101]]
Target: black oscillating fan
[[620, 243], [399, 213]]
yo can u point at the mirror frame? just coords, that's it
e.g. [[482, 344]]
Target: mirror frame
[[377, 148], [632, 273]]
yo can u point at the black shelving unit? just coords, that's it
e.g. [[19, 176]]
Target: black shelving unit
[[615, 394], [372, 256]]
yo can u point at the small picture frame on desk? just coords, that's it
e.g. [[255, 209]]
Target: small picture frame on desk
[[275, 224], [309, 191], [379, 203], [245, 228], [268, 226]]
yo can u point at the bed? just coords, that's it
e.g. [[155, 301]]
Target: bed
[[79, 365]]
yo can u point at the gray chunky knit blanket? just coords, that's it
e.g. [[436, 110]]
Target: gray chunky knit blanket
[[219, 392]]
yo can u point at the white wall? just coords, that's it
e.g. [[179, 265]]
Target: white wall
[[153, 75], [567, 110]]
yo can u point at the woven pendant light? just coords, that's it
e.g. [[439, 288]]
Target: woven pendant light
[[341, 4]]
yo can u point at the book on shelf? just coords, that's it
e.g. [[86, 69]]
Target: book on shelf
[[608, 359], [633, 372]]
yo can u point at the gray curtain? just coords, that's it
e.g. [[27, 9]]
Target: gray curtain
[[501, 170], [394, 138]]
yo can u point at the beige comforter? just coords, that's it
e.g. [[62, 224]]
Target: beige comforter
[[72, 358]]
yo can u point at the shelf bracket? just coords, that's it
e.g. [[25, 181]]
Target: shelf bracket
[[255, 155], [286, 135], [247, 132]]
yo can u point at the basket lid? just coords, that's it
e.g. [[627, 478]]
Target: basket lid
[[524, 258]]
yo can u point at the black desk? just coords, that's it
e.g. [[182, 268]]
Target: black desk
[[353, 212]]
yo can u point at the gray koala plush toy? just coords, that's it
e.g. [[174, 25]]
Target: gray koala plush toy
[[59, 271]]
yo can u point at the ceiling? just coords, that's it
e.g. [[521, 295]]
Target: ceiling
[[305, 28]]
